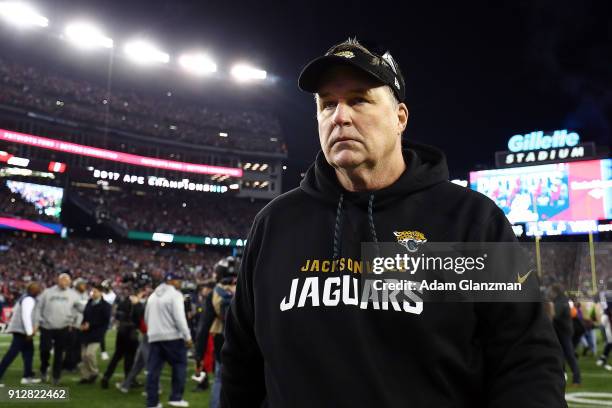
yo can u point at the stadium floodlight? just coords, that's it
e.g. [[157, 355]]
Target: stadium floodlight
[[244, 72], [197, 64], [22, 15], [143, 52], [87, 36]]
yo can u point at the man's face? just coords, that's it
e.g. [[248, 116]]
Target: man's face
[[95, 294], [34, 289], [64, 281], [176, 283], [360, 123]]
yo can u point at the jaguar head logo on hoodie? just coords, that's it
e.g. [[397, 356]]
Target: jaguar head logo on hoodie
[[410, 239]]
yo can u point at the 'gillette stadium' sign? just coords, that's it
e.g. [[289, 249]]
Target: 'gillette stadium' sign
[[538, 147]]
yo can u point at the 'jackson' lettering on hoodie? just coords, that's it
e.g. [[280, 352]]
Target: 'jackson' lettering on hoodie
[[297, 334]]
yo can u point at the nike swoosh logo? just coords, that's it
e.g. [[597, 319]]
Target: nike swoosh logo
[[522, 279]]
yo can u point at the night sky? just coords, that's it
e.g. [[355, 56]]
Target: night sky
[[475, 74]]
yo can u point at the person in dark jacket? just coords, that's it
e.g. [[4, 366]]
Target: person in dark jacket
[[297, 333], [213, 319], [564, 328], [95, 320], [204, 321], [142, 352], [126, 342]]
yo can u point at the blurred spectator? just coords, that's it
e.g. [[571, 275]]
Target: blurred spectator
[[73, 352], [95, 320], [23, 330], [563, 327], [126, 341], [169, 338], [56, 311]]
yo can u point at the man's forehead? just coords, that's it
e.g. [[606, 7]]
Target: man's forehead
[[325, 93]]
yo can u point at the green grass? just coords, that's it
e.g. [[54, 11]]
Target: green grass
[[92, 395], [594, 379]]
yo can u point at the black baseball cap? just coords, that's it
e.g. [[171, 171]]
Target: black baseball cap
[[381, 66]]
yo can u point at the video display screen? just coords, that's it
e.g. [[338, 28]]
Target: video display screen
[[572, 191], [46, 199]]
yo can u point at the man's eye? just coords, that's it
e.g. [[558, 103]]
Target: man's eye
[[357, 101], [328, 105]]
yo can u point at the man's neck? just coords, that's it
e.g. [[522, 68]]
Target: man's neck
[[372, 179]]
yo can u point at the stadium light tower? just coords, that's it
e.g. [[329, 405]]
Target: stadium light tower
[[22, 15], [87, 36], [143, 52], [197, 64], [244, 73]]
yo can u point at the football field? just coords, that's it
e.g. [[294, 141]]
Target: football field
[[596, 390], [92, 395]]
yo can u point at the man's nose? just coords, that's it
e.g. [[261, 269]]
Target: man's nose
[[342, 114]]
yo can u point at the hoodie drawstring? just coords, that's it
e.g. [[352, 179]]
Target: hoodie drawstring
[[338, 228], [371, 218], [338, 224]]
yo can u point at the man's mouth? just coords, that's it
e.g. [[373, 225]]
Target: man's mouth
[[343, 139]]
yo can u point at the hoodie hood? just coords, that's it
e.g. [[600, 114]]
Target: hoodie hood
[[162, 289], [425, 167]]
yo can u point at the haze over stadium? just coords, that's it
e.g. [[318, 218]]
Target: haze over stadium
[[138, 142]]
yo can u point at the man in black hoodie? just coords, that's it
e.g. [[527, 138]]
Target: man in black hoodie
[[297, 334]]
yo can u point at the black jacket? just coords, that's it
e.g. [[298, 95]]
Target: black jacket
[[563, 319], [126, 315], [97, 315], [313, 351]]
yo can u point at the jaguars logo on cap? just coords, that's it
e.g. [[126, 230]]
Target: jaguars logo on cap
[[345, 54], [410, 239]]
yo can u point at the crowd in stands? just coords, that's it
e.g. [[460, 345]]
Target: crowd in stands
[[175, 213], [40, 258], [569, 264], [165, 116]]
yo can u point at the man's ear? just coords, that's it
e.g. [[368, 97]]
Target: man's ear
[[402, 116]]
